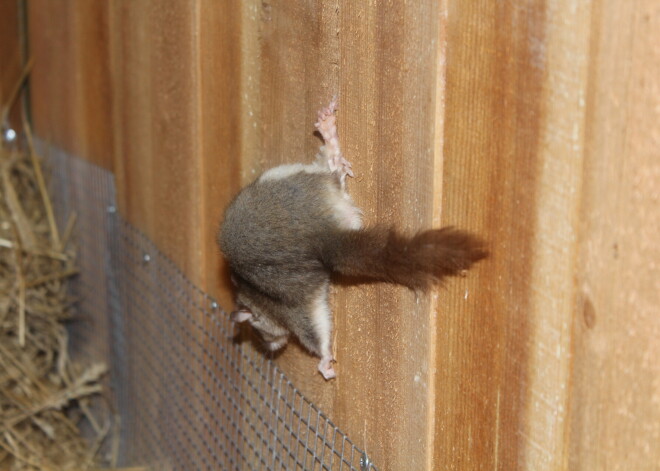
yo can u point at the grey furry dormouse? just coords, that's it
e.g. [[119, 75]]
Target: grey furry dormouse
[[288, 231]]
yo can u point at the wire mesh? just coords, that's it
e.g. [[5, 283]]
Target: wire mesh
[[189, 395], [79, 193]]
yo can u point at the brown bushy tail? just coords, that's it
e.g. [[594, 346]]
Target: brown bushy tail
[[381, 253]]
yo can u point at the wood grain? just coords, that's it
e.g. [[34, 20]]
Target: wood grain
[[157, 163], [492, 127], [177, 122], [534, 124], [119, 85], [221, 123], [387, 81], [289, 90], [514, 118], [615, 396], [10, 57], [71, 93], [531, 363], [384, 74]]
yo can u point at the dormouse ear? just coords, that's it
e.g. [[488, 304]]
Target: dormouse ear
[[240, 316]]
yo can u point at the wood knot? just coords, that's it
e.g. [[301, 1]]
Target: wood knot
[[588, 312]]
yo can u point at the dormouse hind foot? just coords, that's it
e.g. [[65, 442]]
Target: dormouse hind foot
[[330, 152], [326, 368]]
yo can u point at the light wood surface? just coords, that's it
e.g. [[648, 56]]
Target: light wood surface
[[615, 396], [551, 115], [534, 124]]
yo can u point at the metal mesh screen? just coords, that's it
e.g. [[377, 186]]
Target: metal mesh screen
[[81, 193], [189, 396]]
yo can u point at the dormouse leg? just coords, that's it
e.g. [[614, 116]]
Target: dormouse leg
[[325, 367], [330, 152], [321, 318]]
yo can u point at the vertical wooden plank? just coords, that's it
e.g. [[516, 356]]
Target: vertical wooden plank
[[176, 75], [545, 428], [615, 408], [50, 27], [157, 163], [487, 166], [177, 127], [381, 59], [70, 84], [219, 67], [10, 54], [218, 62], [387, 78], [284, 90], [514, 117], [436, 408]]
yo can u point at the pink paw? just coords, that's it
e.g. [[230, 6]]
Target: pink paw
[[327, 112], [331, 152], [326, 369], [326, 121], [339, 163]]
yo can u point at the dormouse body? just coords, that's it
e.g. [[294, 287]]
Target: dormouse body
[[288, 231]]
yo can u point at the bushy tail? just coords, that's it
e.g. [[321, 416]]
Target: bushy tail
[[381, 253]]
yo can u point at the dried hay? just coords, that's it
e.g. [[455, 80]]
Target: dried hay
[[44, 396]]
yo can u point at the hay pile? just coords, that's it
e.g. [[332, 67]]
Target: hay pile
[[44, 396]]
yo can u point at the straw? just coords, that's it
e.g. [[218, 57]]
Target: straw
[[44, 394]]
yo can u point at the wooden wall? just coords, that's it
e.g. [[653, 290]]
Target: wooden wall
[[10, 57], [534, 123], [615, 398], [149, 90]]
